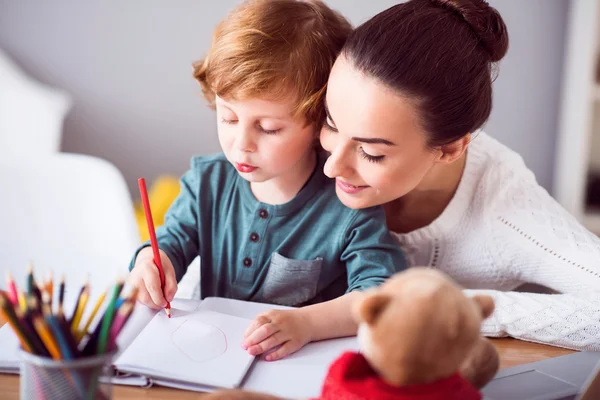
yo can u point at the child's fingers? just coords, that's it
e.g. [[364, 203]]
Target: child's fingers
[[170, 283], [260, 334], [286, 349], [144, 297], [255, 324], [267, 344], [152, 283]]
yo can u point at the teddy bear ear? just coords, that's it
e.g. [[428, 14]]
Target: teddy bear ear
[[370, 308], [485, 303]]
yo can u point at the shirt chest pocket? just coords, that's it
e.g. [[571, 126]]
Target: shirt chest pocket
[[291, 282]]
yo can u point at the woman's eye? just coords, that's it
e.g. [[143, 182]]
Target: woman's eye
[[370, 158], [328, 124], [228, 121]]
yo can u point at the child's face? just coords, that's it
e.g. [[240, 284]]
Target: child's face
[[262, 139]]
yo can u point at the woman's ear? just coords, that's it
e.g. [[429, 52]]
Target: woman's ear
[[370, 307], [452, 151]]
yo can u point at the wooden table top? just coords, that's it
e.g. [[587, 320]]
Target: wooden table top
[[512, 352]]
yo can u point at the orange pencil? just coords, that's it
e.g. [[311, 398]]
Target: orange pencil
[[153, 241]]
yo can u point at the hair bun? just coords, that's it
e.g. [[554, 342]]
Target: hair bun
[[485, 21]]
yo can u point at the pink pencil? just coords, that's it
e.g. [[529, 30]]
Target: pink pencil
[[12, 289]]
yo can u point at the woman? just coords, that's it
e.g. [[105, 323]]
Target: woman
[[405, 100]]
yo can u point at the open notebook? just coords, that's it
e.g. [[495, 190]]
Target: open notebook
[[199, 349]]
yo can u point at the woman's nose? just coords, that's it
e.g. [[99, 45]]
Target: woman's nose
[[336, 165]]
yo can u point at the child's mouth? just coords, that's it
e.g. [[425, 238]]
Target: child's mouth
[[244, 167]]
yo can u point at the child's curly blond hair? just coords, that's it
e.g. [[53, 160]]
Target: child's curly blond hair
[[275, 49]]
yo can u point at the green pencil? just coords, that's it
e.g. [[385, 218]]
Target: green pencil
[[108, 319]]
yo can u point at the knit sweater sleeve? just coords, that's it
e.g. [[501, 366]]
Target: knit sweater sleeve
[[535, 240]]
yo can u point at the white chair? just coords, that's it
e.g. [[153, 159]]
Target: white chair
[[31, 113], [66, 213]]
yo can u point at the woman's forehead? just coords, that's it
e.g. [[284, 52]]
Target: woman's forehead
[[356, 100]]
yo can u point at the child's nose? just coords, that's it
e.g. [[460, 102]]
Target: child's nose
[[244, 141]]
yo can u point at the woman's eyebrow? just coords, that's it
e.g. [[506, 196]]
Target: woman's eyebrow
[[373, 141]]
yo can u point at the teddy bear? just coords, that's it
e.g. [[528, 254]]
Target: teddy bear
[[420, 338]]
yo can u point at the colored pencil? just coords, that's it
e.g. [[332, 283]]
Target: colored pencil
[[22, 300], [25, 319], [83, 332], [107, 320], [44, 333], [153, 241], [120, 320], [11, 319], [50, 285], [79, 307], [30, 279], [12, 289], [61, 295]]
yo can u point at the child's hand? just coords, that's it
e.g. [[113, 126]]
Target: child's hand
[[288, 328], [146, 277]]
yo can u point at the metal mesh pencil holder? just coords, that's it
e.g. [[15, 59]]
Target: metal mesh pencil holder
[[45, 378]]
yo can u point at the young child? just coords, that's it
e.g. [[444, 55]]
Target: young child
[[262, 216]]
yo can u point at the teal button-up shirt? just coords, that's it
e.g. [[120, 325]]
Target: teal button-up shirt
[[310, 249]]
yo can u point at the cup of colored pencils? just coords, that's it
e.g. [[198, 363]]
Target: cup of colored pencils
[[64, 356]]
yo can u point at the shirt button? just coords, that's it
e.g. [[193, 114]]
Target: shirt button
[[247, 262], [263, 213], [254, 237]]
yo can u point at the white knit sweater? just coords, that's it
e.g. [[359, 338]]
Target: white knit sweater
[[501, 230]]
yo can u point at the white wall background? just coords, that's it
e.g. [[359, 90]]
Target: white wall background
[[127, 65]]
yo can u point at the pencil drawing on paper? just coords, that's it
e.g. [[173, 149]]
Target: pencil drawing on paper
[[199, 341]]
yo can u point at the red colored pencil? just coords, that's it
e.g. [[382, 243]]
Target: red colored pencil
[[153, 242]]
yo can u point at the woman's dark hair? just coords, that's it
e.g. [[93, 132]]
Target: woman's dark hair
[[439, 53]]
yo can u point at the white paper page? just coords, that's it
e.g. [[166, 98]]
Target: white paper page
[[238, 308], [9, 350], [299, 375], [142, 316], [139, 318], [201, 347]]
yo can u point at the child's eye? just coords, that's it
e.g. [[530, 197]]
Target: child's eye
[[228, 121], [370, 158], [268, 131]]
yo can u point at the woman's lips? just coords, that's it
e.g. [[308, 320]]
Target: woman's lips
[[348, 188]]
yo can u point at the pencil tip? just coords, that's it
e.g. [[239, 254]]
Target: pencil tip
[[30, 267], [45, 296]]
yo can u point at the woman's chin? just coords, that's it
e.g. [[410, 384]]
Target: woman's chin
[[355, 201]]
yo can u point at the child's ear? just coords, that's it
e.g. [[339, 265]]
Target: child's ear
[[371, 307], [485, 303]]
